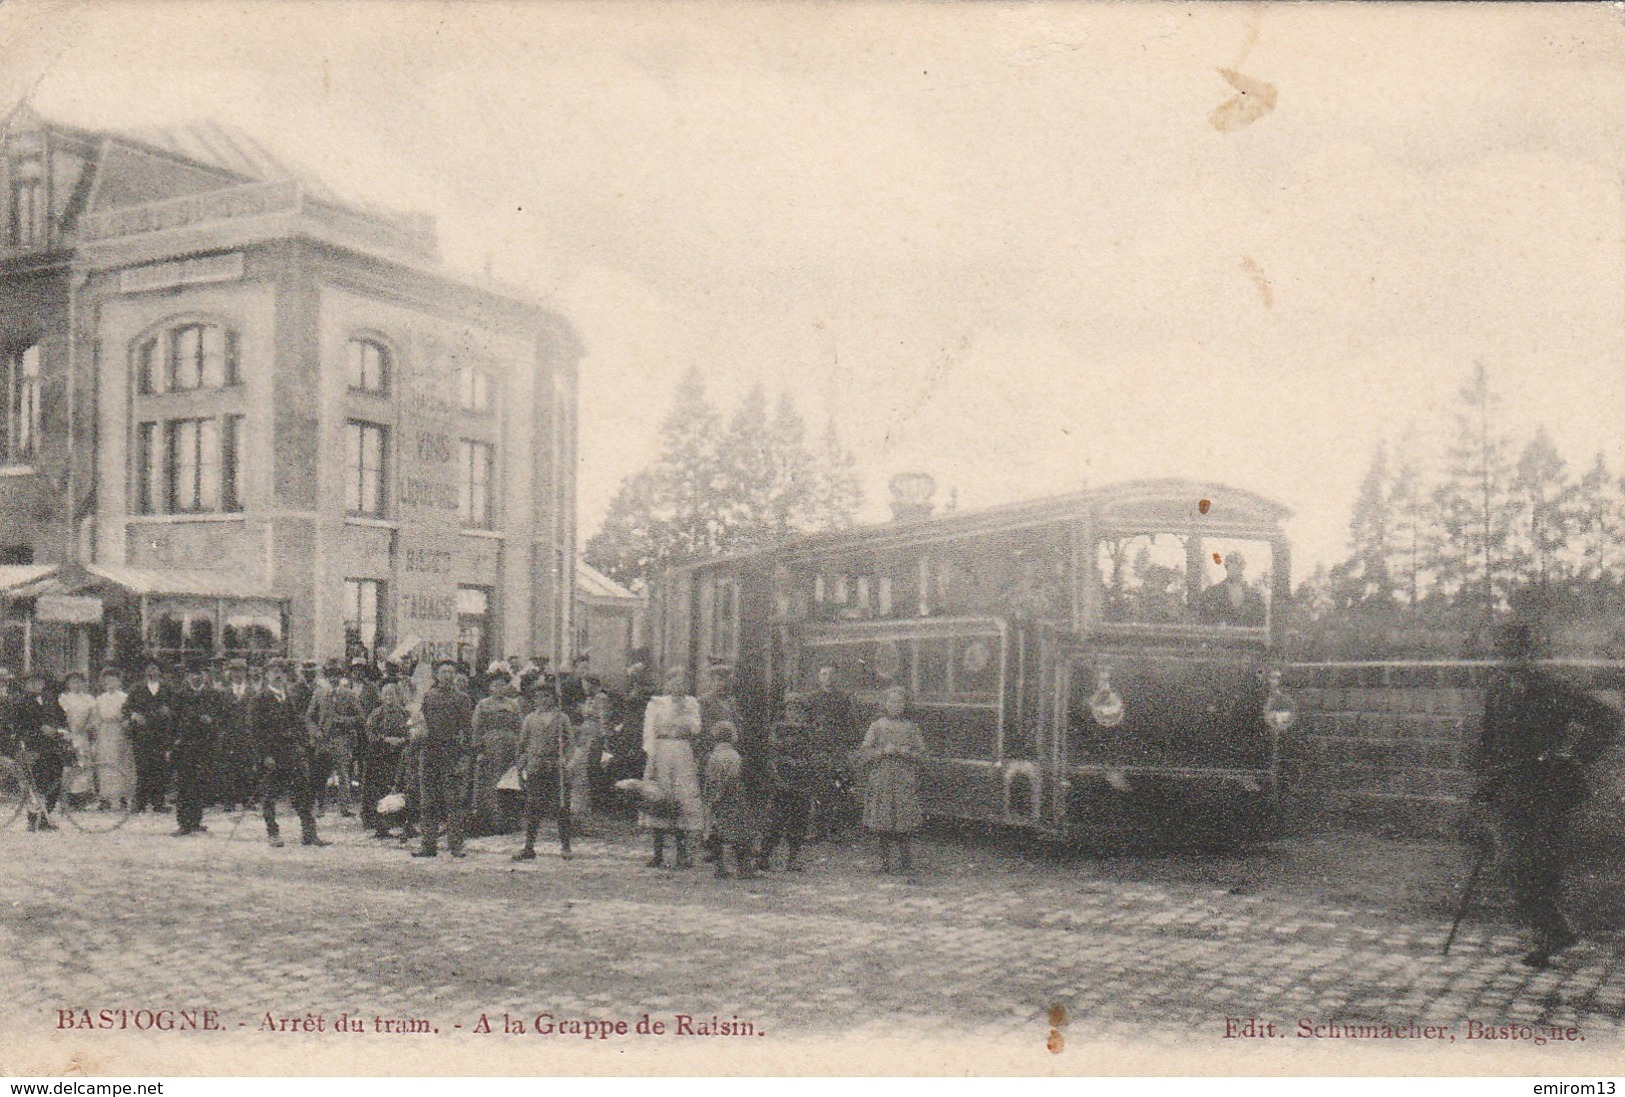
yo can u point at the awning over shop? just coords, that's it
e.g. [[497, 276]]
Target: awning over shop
[[32, 580], [193, 584], [15, 577]]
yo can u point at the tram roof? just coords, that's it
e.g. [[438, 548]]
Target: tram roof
[[1170, 499]]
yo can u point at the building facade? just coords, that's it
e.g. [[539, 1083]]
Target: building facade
[[248, 415], [610, 624]]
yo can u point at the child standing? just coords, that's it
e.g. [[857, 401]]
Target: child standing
[[791, 775], [729, 815], [891, 754]]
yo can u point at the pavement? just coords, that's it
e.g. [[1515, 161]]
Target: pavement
[[983, 943]]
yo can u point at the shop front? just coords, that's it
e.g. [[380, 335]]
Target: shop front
[[79, 618]]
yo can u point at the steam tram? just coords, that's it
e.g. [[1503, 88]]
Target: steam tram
[[1097, 666]]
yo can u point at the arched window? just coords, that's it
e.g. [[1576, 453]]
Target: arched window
[[369, 366], [186, 357]]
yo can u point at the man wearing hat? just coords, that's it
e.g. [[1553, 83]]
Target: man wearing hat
[[151, 708], [337, 719], [1231, 601], [448, 717], [198, 717], [836, 734], [364, 676], [236, 769], [1539, 734], [279, 730], [41, 728], [575, 686]]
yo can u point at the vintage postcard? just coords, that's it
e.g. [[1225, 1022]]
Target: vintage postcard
[[811, 538]]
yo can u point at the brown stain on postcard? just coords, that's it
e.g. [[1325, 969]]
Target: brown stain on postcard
[[1254, 99]]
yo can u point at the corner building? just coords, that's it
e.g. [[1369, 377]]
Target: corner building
[[247, 416]]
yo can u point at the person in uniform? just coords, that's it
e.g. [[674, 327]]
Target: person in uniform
[[283, 739], [834, 725], [199, 714], [151, 712], [543, 743], [1231, 601], [1539, 734], [443, 762]]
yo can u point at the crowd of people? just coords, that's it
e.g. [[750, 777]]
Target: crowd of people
[[434, 754]]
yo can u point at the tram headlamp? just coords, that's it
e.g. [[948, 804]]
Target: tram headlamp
[[1105, 706], [1279, 712]]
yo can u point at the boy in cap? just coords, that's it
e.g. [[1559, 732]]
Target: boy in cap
[[543, 739], [792, 775]]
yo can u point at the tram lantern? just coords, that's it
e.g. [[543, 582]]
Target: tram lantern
[[1105, 705], [1279, 712], [911, 494]]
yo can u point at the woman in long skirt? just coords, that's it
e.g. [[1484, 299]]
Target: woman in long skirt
[[113, 754], [891, 754], [79, 706], [671, 724]]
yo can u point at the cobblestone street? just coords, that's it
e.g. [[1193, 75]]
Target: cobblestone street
[[981, 944]]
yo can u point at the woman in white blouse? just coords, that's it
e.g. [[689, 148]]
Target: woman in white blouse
[[670, 725]]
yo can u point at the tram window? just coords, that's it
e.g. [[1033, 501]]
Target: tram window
[[976, 668], [1143, 578], [932, 672], [888, 662], [1236, 579], [853, 668]]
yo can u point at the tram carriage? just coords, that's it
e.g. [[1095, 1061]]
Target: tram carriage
[[1085, 667]]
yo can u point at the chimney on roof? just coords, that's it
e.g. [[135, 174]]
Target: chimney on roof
[[911, 495]]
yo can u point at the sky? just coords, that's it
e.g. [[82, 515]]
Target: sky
[[1005, 244]]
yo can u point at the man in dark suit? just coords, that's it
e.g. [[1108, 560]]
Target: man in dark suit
[[835, 735], [236, 758], [151, 709], [1232, 601], [446, 751], [279, 729], [40, 726], [1539, 734], [199, 714]]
